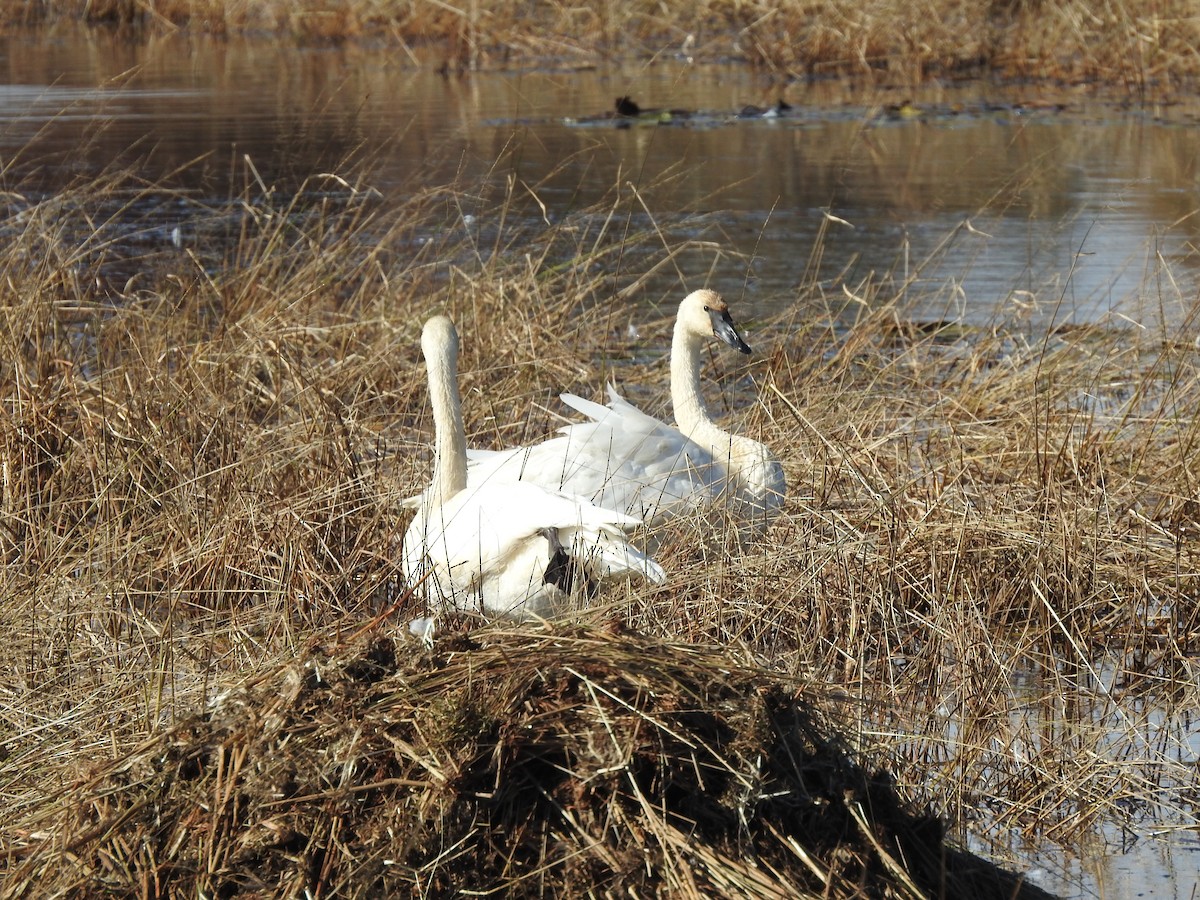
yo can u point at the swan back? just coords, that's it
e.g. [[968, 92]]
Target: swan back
[[620, 459]]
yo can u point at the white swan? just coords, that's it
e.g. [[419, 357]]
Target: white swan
[[755, 481], [624, 459], [509, 549]]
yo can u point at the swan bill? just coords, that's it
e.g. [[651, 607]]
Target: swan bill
[[723, 328]]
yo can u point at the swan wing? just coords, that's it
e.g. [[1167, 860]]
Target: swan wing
[[621, 459], [494, 543], [619, 413], [594, 536], [665, 473]]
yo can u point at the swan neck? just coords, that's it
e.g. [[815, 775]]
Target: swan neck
[[690, 412], [450, 438]]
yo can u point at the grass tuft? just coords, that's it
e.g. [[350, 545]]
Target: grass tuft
[[551, 761]]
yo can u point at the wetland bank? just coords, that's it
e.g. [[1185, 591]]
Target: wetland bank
[[980, 600]]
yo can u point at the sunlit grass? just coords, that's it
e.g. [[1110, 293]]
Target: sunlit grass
[[1142, 47], [988, 551]]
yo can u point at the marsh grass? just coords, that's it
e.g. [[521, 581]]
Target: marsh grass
[[987, 560], [1141, 48], [531, 762]]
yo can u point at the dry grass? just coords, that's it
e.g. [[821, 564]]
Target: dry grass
[[528, 763], [1144, 47], [990, 544]]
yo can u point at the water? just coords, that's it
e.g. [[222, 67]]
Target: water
[[1149, 846], [993, 209], [989, 208]]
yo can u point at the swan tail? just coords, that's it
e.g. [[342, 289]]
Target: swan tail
[[608, 556], [597, 412]]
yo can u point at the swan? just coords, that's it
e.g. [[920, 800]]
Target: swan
[[503, 549], [755, 483], [627, 460]]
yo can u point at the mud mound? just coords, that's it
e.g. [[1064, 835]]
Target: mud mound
[[518, 762]]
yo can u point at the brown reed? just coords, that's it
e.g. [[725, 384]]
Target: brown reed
[[1143, 48], [988, 548]]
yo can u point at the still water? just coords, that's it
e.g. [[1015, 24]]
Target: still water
[[990, 207]]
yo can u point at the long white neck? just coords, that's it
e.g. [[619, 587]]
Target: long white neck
[[691, 415], [754, 472], [450, 437]]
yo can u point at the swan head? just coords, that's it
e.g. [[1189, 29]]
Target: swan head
[[704, 314], [439, 339]]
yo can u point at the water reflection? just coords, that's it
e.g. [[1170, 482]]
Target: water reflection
[[987, 209], [1125, 738]]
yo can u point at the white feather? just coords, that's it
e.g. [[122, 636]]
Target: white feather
[[625, 459], [490, 546]]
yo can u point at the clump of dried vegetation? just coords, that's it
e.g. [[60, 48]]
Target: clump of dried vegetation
[[567, 764], [1138, 45], [989, 547]]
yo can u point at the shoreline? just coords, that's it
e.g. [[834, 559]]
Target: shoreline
[[1147, 54]]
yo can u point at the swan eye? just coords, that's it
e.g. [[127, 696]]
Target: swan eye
[[706, 309]]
